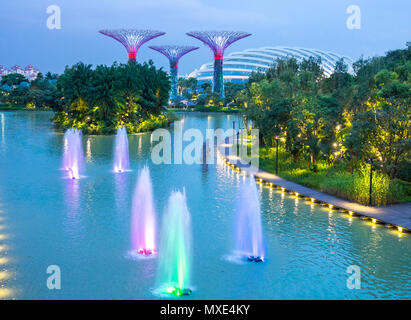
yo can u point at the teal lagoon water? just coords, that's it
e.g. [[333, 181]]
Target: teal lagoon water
[[83, 226]]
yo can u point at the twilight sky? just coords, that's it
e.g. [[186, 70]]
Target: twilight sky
[[25, 38]]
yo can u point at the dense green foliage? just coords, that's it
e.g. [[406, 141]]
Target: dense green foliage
[[101, 99], [97, 100], [202, 98], [17, 92], [336, 180], [332, 127]]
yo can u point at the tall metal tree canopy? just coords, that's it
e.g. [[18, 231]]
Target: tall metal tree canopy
[[132, 39], [174, 54], [218, 41]]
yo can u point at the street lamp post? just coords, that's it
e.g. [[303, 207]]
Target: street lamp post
[[371, 170], [238, 132], [276, 158]]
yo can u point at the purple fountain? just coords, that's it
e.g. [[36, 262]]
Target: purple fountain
[[73, 157], [143, 223], [121, 154], [249, 235]]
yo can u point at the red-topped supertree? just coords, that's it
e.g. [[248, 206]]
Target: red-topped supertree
[[174, 54], [218, 41], [132, 39]]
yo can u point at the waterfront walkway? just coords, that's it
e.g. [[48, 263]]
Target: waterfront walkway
[[398, 215]]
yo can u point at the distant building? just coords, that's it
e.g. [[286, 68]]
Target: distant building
[[238, 66], [29, 72], [4, 71]]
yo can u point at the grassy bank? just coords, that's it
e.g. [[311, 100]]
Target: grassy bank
[[11, 108], [338, 181]]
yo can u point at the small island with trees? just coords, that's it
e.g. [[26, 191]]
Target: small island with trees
[[98, 100]]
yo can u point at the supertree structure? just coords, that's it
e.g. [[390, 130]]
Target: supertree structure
[[174, 54], [218, 41], [132, 39]]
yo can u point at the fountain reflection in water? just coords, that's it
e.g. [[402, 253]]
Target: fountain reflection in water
[[3, 125], [175, 247], [143, 221], [121, 153], [73, 158], [249, 235]]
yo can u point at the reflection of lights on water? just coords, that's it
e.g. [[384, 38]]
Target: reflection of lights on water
[[3, 236], [4, 275], [6, 293], [3, 125], [2, 227], [3, 248], [88, 153], [4, 260]]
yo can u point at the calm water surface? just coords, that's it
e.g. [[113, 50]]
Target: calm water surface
[[84, 227]]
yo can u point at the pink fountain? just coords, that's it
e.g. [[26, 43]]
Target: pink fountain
[[121, 153], [73, 157], [143, 223]]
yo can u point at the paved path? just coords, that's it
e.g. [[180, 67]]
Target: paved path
[[398, 215]]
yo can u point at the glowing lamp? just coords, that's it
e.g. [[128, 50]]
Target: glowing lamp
[[400, 229]]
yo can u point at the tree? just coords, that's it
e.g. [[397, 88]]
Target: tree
[[13, 79], [105, 84], [101, 99]]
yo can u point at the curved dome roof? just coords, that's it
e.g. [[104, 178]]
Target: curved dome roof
[[238, 66]]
